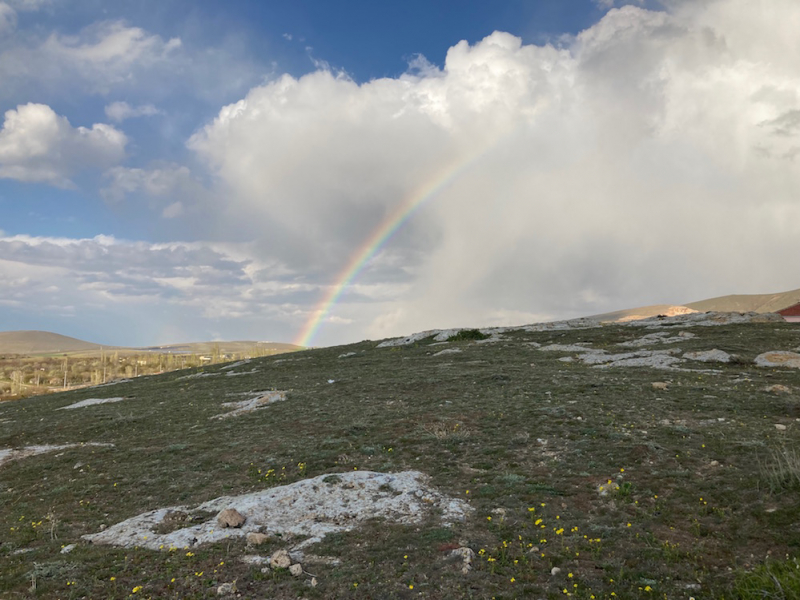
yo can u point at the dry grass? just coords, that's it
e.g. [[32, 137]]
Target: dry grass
[[781, 469]]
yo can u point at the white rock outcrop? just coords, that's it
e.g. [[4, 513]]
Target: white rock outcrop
[[713, 355], [246, 406], [311, 507], [91, 402]]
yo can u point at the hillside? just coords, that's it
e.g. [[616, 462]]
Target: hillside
[[759, 303], [41, 342], [653, 459]]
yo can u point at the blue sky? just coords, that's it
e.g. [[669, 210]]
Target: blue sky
[[182, 170]]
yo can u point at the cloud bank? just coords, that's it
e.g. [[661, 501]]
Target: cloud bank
[[649, 159]]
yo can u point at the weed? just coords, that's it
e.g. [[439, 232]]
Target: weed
[[781, 469], [776, 580]]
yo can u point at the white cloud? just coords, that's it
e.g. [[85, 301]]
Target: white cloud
[[8, 19], [168, 188], [638, 164], [119, 111], [103, 56], [609, 4], [173, 210], [36, 144]]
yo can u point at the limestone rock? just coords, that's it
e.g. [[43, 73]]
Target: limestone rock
[[296, 570], [780, 427], [280, 560], [709, 356], [230, 517], [254, 539], [660, 385], [467, 555], [778, 358]]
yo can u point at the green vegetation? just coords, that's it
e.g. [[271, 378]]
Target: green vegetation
[[625, 489], [466, 335]]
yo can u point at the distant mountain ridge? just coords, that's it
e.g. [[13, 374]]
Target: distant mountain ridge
[[46, 342]]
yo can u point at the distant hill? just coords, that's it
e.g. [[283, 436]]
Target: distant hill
[[45, 342], [41, 342], [759, 303]]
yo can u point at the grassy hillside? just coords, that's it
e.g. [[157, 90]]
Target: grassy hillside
[[583, 481], [41, 342]]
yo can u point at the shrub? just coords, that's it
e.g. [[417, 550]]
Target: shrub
[[467, 335]]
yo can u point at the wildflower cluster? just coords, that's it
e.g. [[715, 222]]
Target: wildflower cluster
[[278, 476]]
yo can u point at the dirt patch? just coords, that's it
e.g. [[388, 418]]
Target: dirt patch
[[311, 507]]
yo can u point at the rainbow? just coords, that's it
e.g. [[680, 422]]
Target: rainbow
[[378, 239]]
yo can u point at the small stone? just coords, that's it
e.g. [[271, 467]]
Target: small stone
[[68, 549], [280, 560], [230, 517], [780, 427], [660, 385], [313, 582], [714, 463], [296, 570], [467, 555], [254, 539], [265, 570], [226, 588], [555, 571], [778, 389]]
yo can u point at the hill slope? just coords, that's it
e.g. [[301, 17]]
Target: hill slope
[[41, 342], [759, 303], [599, 460]]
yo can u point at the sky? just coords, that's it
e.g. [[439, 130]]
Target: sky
[[323, 173]]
